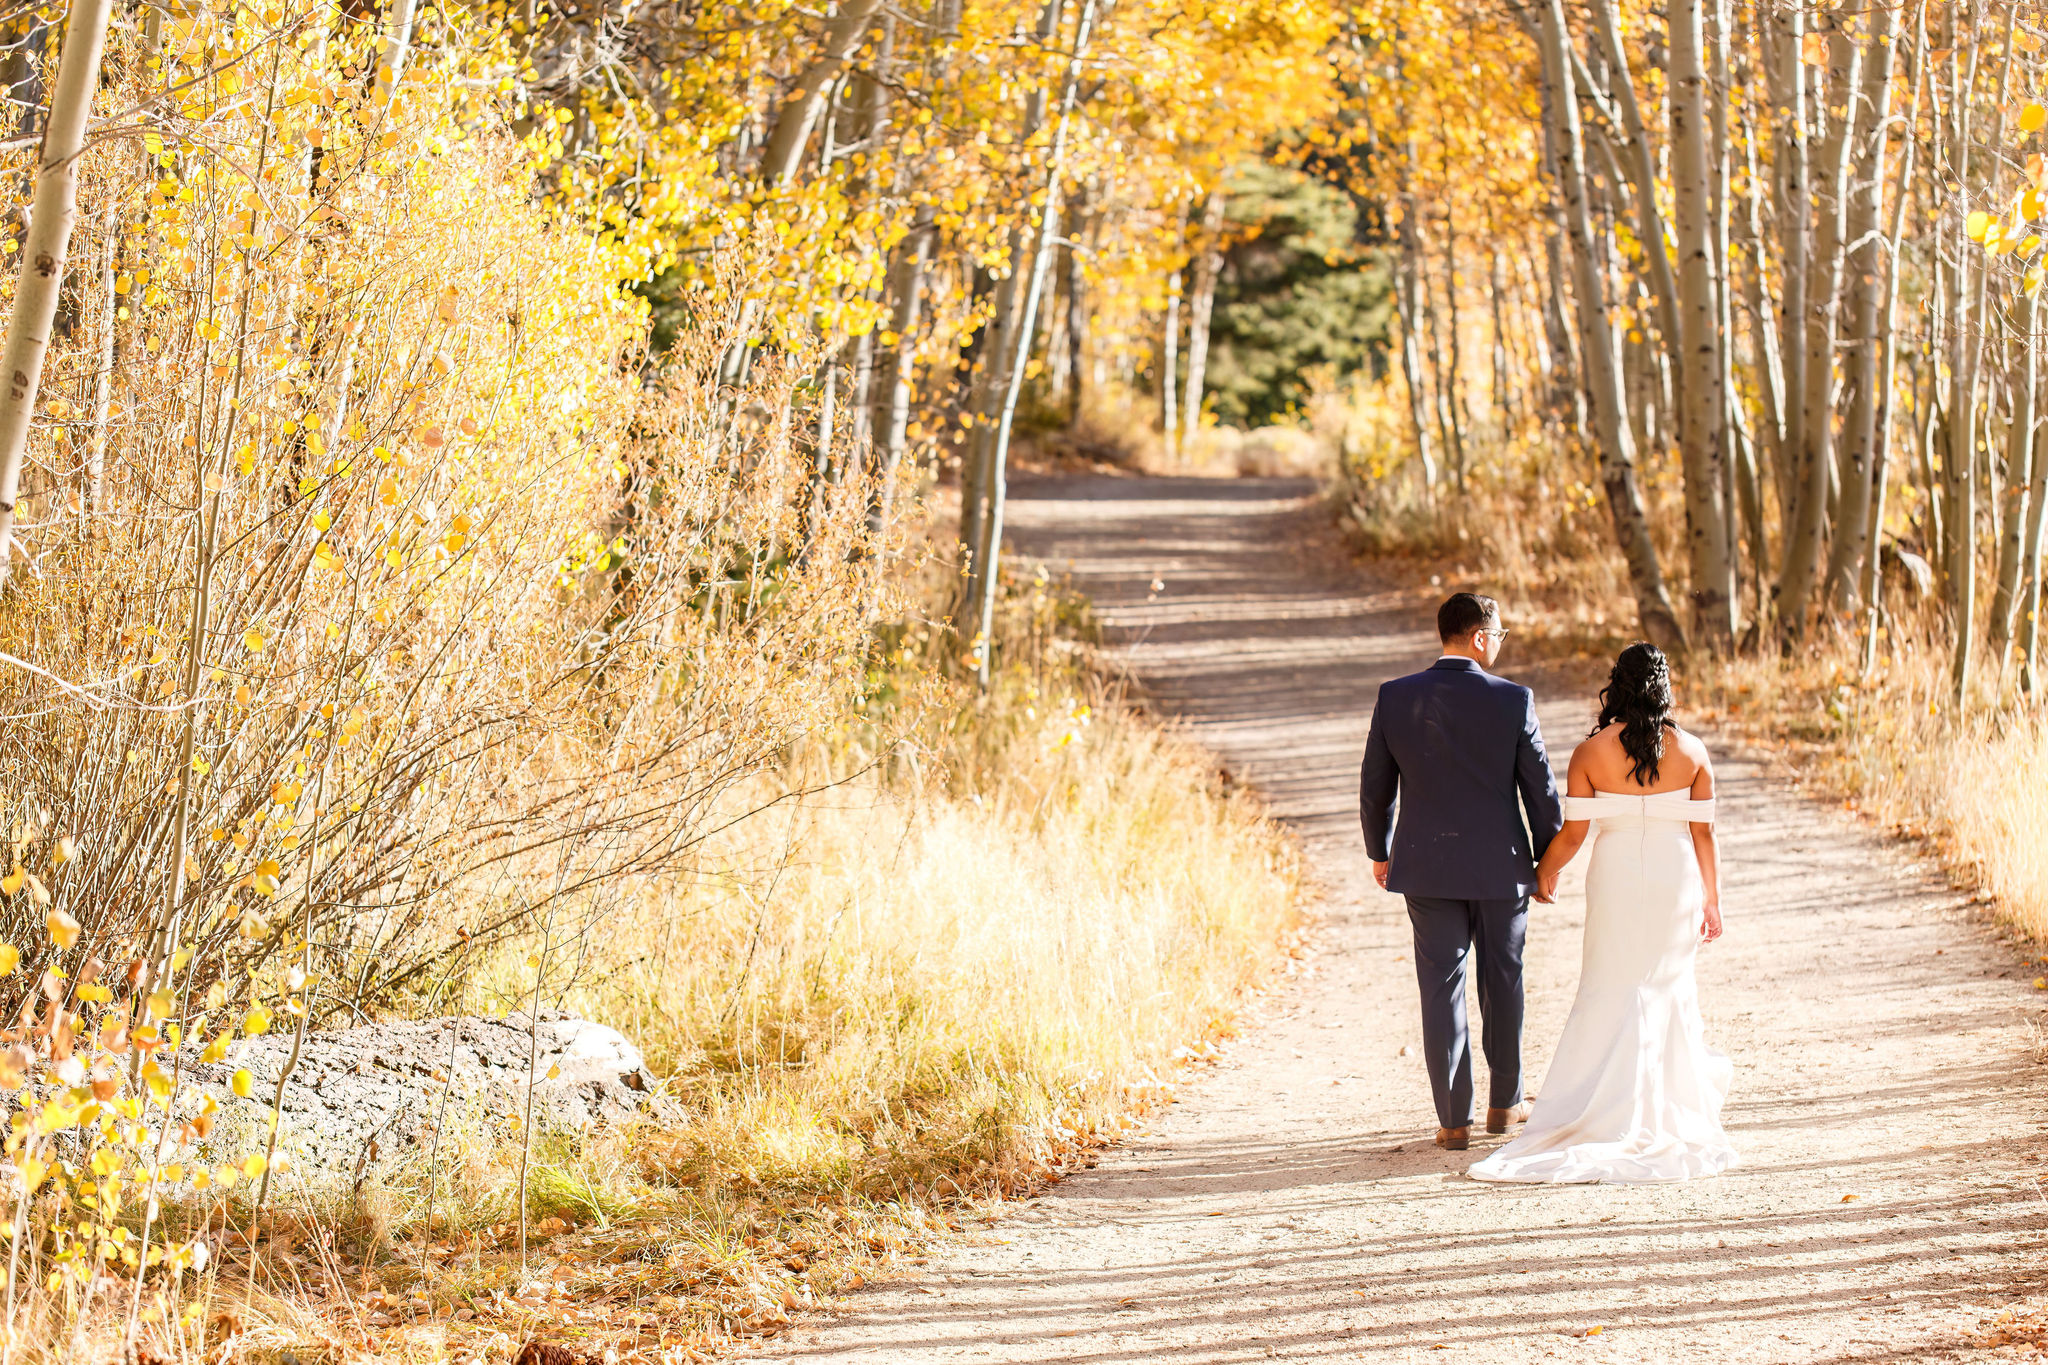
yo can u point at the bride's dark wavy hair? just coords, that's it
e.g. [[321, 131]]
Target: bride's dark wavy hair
[[1638, 694]]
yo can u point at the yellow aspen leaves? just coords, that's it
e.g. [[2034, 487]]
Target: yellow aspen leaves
[[387, 492], [1976, 225], [252, 1167], [67, 849], [201, 766], [256, 1022], [326, 557], [243, 1084], [10, 959], [266, 877], [447, 307], [160, 1003], [252, 640], [63, 929], [321, 520], [12, 882], [217, 1047], [2032, 118]]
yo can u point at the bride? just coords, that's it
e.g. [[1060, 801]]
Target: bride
[[1634, 1094]]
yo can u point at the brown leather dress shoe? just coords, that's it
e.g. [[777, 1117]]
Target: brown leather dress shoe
[[1497, 1120], [1454, 1139]]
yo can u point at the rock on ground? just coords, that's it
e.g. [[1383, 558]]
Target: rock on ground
[[379, 1093]]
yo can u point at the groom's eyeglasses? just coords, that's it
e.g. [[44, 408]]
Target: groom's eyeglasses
[[1497, 632]]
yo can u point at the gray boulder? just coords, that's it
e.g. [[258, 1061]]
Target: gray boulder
[[378, 1093]]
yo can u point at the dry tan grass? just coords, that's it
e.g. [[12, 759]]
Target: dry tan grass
[[945, 979]]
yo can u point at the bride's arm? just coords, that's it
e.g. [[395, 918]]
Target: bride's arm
[[1707, 851], [1566, 845]]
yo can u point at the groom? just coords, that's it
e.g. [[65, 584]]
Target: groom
[[1457, 744]]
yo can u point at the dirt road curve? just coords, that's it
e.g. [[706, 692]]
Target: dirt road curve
[[1888, 1101]]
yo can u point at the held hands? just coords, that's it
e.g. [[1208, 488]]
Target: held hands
[[1546, 885], [1710, 921]]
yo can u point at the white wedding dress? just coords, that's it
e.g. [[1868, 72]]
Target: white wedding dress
[[1634, 1094]]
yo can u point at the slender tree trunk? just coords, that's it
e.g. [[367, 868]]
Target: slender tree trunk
[[783, 152], [1640, 165], [892, 418], [1719, 14], [1077, 325], [1169, 376], [1873, 548], [1503, 391], [1208, 265], [1408, 304], [1602, 371], [1768, 365], [992, 377], [2030, 571], [1702, 405], [2005, 597], [1784, 33], [1041, 253], [1959, 464], [41, 280], [1449, 393], [1807, 532], [1865, 322]]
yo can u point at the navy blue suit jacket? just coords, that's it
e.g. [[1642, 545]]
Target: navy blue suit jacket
[[1457, 745]]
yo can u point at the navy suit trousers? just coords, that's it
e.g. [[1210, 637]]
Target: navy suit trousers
[[1446, 933]]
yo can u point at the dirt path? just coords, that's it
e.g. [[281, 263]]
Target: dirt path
[[1888, 1100]]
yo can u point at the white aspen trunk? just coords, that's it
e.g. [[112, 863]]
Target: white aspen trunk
[[2005, 596], [1784, 32], [1504, 404], [1807, 531], [1640, 166], [1048, 229], [397, 44], [1602, 370], [1169, 378], [892, 418], [1767, 364], [1701, 409], [1862, 324], [783, 152], [1208, 265], [979, 490], [1718, 16], [43, 252], [1452, 397], [1872, 574], [2030, 572], [1077, 328], [1408, 305]]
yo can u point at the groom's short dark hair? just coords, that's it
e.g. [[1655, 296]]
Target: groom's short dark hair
[[1464, 612]]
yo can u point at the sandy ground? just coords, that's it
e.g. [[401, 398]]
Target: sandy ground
[[1889, 1086]]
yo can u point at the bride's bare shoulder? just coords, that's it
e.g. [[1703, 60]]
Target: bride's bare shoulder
[[1691, 745]]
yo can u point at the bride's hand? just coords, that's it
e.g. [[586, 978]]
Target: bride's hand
[[1546, 886], [1710, 922]]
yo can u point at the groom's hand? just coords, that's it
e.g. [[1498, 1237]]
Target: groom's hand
[[1379, 874], [1546, 887]]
